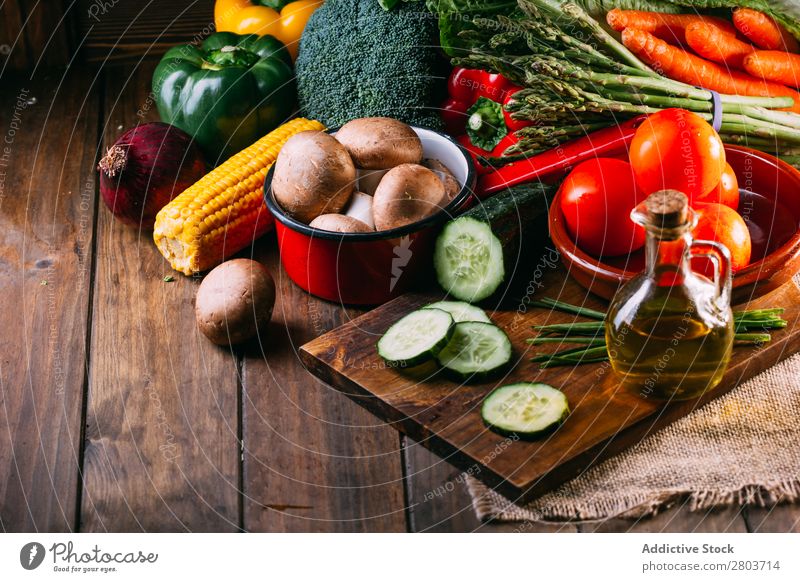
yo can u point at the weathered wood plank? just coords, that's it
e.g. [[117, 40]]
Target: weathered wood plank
[[48, 132], [676, 519], [48, 32], [125, 31], [776, 519], [313, 460], [13, 45], [438, 499], [162, 448]]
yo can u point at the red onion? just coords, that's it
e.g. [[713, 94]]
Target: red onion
[[147, 167]]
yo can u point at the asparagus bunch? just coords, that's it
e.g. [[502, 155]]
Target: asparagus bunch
[[750, 327], [579, 78]]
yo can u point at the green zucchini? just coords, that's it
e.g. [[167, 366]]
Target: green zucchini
[[476, 351], [479, 253], [525, 409], [416, 338], [461, 311]]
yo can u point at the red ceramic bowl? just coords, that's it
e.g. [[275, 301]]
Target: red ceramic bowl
[[370, 268], [770, 205]]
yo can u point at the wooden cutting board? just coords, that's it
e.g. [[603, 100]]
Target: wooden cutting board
[[445, 416]]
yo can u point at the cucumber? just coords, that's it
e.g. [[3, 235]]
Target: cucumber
[[461, 311], [476, 350], [416, 338], [480, 250], [525, 409]]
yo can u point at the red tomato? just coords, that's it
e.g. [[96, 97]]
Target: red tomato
[[725, 193], [676, 149], [721, 224], [597, 198]]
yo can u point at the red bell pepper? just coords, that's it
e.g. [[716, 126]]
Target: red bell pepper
[[608, 142], [474, 113]]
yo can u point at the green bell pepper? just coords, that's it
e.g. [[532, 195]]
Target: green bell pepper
[[227, 93]]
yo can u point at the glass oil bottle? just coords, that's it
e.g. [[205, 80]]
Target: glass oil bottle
[[669, 330]]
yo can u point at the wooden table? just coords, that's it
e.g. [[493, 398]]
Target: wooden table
[[116, 415]]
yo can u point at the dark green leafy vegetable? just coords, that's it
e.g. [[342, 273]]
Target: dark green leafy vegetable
[[455, 17], [358, 60]]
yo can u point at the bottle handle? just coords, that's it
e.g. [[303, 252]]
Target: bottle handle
[[720, 257]]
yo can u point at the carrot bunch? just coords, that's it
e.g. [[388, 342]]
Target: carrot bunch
[[722, 61], [576, 76]]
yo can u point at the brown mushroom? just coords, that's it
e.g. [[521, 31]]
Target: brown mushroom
[[451, 185], [360, 207], [235, 301], [380, 143], [313, 175], [408, 193], [339, 223], [368, 180]]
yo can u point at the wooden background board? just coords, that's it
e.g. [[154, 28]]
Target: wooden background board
[[101, 367], [444, 415]]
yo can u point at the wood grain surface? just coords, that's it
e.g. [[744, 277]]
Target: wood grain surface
[[48, 135], [444, 416], [162, 443], [181, 435], [314, 460]]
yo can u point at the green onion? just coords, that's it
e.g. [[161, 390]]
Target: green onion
[[569, 308], [590, 334]]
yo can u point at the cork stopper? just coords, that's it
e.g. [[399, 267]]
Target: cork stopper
[[667, 209]]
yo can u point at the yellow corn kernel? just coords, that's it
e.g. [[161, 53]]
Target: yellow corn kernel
[[224, 211]]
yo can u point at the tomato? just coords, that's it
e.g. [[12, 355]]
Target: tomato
[[597, 198], [726, 192], [721, 224], [676, 149]]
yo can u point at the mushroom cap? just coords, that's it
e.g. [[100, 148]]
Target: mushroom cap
[[451, 185], [408, 193], [379, 143], [313, 175], [234, 301], [340, 223]]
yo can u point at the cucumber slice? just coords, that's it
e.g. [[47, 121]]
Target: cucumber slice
[[525, 409], [476, 350], [469, 259], [416, 338], [461, 311]]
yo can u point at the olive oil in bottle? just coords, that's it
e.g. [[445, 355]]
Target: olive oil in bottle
[[669, 330]]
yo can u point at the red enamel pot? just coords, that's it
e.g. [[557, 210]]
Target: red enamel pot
[[370, 268]]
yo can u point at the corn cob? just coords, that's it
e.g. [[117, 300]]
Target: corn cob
[[224, 211]]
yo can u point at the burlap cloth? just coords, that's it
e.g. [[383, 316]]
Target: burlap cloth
[[742, 448]]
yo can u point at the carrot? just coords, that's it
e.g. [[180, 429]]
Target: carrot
[[669, 27], [711, 43], [778, 66], [683, 66], [763, 31]]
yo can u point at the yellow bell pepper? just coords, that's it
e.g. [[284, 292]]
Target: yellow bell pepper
[[252, 17]]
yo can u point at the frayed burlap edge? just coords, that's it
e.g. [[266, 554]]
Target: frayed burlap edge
[[489, 505]]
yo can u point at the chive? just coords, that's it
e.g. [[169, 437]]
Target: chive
[[569, 308], [593, 348], [756, 338], [567, 339], [579, 328]]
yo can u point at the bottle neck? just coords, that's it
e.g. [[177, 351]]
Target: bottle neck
[[667, 259]]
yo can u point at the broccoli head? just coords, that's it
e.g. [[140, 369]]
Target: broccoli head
[[358, 60]]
